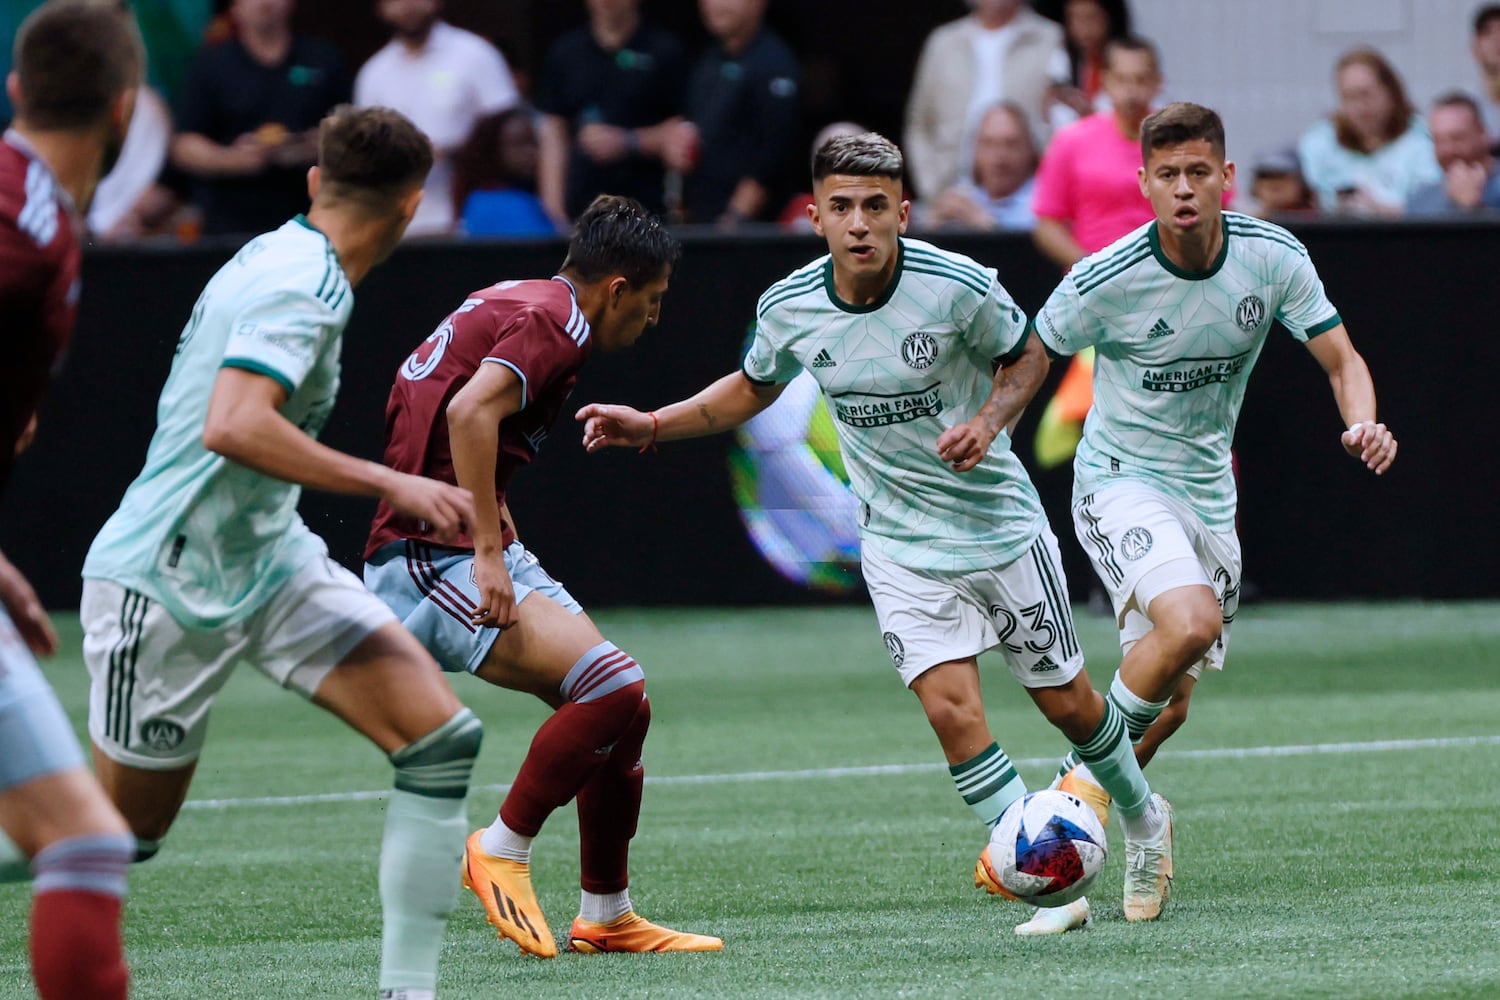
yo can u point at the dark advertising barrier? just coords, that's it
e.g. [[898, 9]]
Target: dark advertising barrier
[[663, 527]]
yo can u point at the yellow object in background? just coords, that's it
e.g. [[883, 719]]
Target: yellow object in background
[[1061, 426]]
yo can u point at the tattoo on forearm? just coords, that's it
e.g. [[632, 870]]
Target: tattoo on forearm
[[708, 417]]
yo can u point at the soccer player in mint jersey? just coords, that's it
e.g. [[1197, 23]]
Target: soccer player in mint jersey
[[206, 561], [472, 404], [1178, 311], [925, 361], [73, 86]]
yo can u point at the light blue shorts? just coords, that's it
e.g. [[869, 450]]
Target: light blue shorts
[[432, 591], [35, 736]]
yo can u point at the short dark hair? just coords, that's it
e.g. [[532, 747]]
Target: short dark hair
[[1179, 122], [372, 156], [1459, 99], [1131, 43], [868, 154], [74, 59], [1484, 15], [618, 236]]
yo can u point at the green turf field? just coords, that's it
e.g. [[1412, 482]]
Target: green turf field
[[1337, 795]]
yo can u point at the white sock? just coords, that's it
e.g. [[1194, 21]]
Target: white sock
[[408, 994], [500, 841], [1149, 825], [604, 908], [420, 858]]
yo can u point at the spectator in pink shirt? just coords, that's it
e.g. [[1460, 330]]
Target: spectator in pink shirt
[[1087, 195]]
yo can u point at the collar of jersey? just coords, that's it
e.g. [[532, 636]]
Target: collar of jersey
[[885, 296], [302, 220], [1153, 237]]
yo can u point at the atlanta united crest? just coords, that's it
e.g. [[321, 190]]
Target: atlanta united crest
[[1135, 543], [895, 647], [919, 350], [1250, 313]]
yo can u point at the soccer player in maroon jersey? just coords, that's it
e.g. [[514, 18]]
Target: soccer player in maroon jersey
[[471, 405], [76, 71]]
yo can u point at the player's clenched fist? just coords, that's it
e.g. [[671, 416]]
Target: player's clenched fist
[[963, 446], [1371, 443]]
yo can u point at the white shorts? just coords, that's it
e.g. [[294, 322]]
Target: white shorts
[[1143, 543], [36, 737], [153, 681], [929, 618], [431, 588]]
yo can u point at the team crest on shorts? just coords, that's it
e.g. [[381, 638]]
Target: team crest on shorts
[[896, 648], [919, 350], [162, 735], [1250, 313], [1135, 543]]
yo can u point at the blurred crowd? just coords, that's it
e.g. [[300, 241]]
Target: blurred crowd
[[1018, 119]]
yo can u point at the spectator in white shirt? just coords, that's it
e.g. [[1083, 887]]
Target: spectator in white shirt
[[1001, 51], [444, 79]]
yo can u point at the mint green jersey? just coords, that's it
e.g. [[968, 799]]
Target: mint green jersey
[[1174, 350], [209, 539], [896, 373]]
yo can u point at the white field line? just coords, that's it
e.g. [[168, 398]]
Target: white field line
[[1294, 750]]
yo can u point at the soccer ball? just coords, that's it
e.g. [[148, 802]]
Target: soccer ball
[[1047, 849]]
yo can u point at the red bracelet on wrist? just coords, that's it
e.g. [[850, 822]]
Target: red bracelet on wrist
[[655, 426]]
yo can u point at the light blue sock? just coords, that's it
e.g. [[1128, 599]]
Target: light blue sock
[[988, 782], [1111, 758], [1138, 713]]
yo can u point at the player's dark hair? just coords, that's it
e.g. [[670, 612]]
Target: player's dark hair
[[869, 154], [618, 236], [74, 58], [1402, 109], [1181, 122], [1131, 43], [372, 156], [1484, 15]]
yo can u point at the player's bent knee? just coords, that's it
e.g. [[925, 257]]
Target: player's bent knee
[[952, 714], [439, 764], [1193, 628], [601, 673]]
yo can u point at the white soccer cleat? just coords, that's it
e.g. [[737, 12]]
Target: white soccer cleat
[[1148, 870], [1057, 919]]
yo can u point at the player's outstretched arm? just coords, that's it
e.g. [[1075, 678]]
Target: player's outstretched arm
[[964, 445], [724, 405], [1366, 438], [244, 425]]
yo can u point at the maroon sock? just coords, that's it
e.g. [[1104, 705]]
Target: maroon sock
[[76, 952], [565, 753], [608, 807]]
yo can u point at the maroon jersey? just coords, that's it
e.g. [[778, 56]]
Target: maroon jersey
[[39, 258], [535, 329]]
